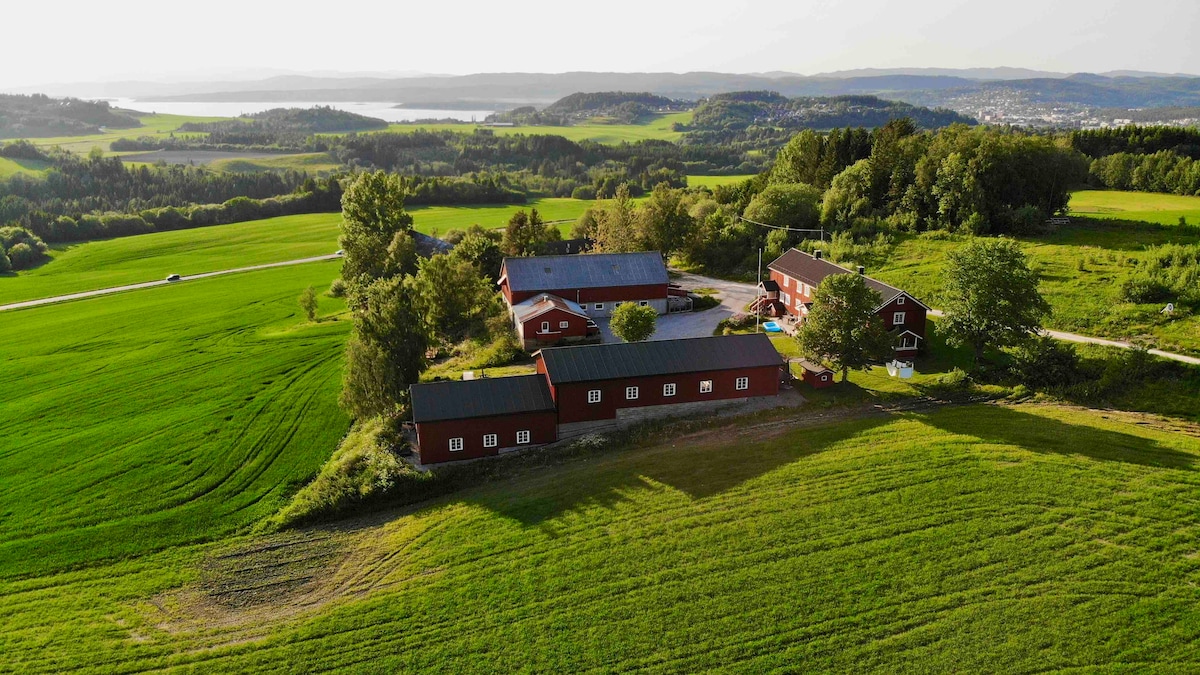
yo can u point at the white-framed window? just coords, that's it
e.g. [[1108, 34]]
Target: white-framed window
[[564, 324], [787, 299], [631, 393], [456, 444], [669, 389], [490, 440], [741, 383], [545, 326], [593, 396], [825, 377], [522, 437], [598, 305], [799, 302], [643, 303], [786, 281], [897, 318], [900, 300], [705, 386]]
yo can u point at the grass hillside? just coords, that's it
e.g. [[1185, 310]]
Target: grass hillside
[[1145, 206], [429, 219], [151, 124], [11, 167], [150, 257], [659, 127], [1082, 267], [971, 539], [163, 416]]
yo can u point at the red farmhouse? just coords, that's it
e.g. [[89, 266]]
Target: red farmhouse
[[796, 274], [597, 282], [621, 382], [476, 418], [580, 389]]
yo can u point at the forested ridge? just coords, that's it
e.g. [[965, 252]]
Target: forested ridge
[[39, 115]]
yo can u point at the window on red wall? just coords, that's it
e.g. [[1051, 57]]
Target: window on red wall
[[897, 318], [564, 324]]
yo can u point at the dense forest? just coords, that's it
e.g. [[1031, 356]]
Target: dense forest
[[39, 115], [764, 119], [613, 106], [1143, 158]]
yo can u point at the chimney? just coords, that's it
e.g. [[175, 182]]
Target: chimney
[[817, 254], [862, 270]]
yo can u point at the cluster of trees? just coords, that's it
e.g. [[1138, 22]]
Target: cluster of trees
[[1143, 158], [403, 306], [1138, 140], [20, 249], [614, 106], [764, 119], [317, 119], [40, 115], [1170, 273]]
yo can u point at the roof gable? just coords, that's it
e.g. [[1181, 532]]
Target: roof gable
[[540, 304], [592, 270], [464, 399], [660, 357], [813, 270]]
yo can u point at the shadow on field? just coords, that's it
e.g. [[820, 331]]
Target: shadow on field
[[700, 466], [998, 424]]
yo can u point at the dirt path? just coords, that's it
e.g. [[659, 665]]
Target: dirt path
[[150, 284]]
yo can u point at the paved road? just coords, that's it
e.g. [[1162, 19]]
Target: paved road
[[151, 284], [735, 295]]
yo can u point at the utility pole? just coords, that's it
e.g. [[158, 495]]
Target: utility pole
[[758, 294]]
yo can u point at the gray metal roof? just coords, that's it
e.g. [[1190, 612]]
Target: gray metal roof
[[540, 304], [658, 357], [812, 270], [592, 270], [458, 400]]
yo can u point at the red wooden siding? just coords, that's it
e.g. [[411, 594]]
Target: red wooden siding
[[590, 295], [572, 398], [532, 329], [433, 438]]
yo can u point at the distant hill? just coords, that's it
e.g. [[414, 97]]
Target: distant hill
[[604, 100], [766, 116], [613, 106], [318, 119], [40, 116]]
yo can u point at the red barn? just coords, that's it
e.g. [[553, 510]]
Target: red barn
[[597, 282], [547, 320], [639, 380], [477, 418], [797, 274]]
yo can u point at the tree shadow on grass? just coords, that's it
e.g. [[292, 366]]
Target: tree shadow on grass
[[700, 467], [1037, 433]]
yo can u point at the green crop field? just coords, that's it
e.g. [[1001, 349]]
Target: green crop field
[[1145, 206], [151, 125], [149, 257], [968, 539], [163, 416], [12, 167], [1082, 267], [439, 219], [659, 128], [714, 181], [313, 162]]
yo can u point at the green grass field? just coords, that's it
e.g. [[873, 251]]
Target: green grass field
[[440, 219], [714, 181], [149, 257], [162, 416], [658, 128], [151, 125], [313, 162], [1144, 206], [971, 539], [12, 167]]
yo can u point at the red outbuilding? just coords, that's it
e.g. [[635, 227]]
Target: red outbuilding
[[637, 380], [816, 375], [797, 274], [477, 418], [546, 320]]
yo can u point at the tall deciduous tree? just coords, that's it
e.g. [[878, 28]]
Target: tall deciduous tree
[[616, 230], [308, 303], [385, 353], [990, 296], [633, 323], [372, 216], [842, 327], [452, 297], [663, 221], [527, 234]]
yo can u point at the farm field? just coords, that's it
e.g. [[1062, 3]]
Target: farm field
[[163, 416], [658, 128], [1145, 206], [149, 257], [966, 539], [151, 125], [439, 219], [714, 181], [1082, 266], [11, 167]]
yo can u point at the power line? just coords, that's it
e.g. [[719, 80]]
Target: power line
[[782, 227]]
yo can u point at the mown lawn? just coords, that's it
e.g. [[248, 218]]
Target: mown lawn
[[1082, 267], [162, 416], [714, 181], [150, 257], [658, 128], [1146, 206], [971, 539]]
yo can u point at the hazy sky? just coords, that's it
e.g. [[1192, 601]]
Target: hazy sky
[[68, 41]]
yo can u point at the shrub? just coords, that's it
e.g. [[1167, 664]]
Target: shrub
[[5, 264], [734, 323], [337, 289], [21, 256], [363, 468], [583, 192], [1046, 363]]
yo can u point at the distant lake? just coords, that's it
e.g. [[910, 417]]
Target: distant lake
[[383, 111]]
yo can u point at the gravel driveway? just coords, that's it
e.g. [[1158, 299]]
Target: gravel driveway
[[734, 296]]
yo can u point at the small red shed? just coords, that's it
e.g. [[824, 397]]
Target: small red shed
[[816, 375], [546, 320]]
